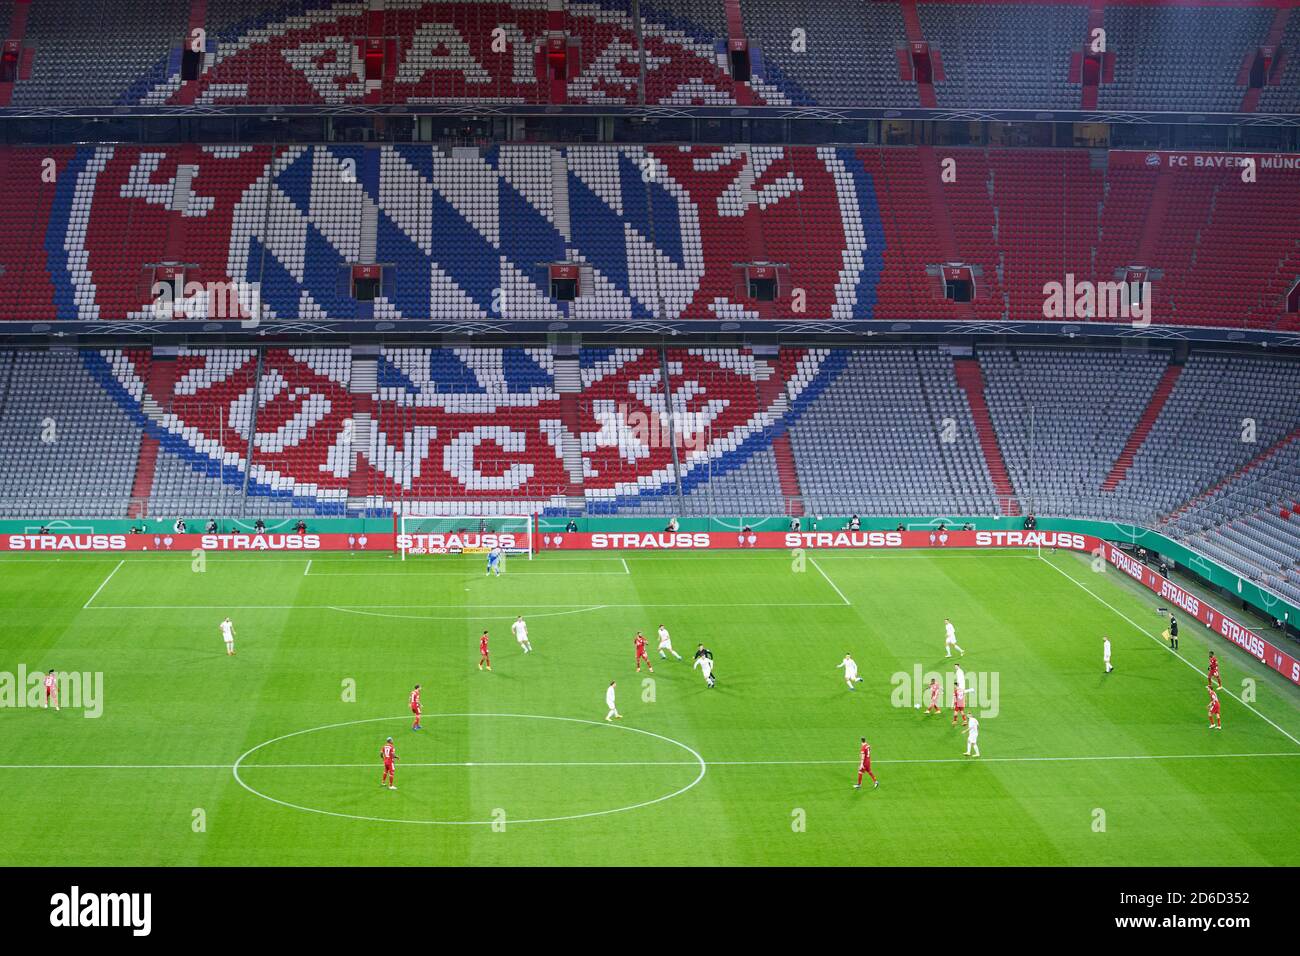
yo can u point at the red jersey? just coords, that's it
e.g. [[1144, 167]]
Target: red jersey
[[934, 695], [415, 700], [640, 646], [958, 697], [1214, 665], [1214, 702], [51, 681], [389, 754], [482, 645], [866, 754]]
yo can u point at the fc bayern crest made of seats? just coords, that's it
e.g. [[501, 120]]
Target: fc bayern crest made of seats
[[456, 424]]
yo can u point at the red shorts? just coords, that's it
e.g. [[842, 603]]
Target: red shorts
[[388, 768], [415, 710], [49, 692], [1214, 708], [958, 705], [865, 767], [641, 653]]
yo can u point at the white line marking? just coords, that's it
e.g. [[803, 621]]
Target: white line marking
[[828, 580], [307, 571], [416, 607], [632, 763], [698, 761], [102, 583], [626, 569], [445, 617], [1141, 630]]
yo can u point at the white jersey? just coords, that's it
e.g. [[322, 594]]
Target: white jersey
[[663, 638], [1105, 649], [961, 677], [609, 698], [973, 733], [521, 631], [850, 668], [951, 633], [227, 632], [705, 664]]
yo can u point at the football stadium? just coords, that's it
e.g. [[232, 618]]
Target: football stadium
[[649, 433]]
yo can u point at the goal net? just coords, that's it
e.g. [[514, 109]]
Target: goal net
[[465, 534]]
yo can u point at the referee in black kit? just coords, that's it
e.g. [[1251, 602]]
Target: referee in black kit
[[1173, 632]]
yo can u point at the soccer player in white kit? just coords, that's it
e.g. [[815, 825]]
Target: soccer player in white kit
[[950, 639], [959, 678], [973, 736], [228, 635], [521, 634], [1105, 653], [666, 644], [850, 671], [704, 661], [609, 701]]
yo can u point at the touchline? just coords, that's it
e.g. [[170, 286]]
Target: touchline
[[74, 909]]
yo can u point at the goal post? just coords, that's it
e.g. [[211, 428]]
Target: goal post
[[419, 534]]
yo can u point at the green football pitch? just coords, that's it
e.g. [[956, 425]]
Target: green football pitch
[[173, 753]]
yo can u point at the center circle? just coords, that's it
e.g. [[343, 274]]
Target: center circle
[[695, 758]]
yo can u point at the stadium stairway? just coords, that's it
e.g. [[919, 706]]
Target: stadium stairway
[[1276, 34], [912, 23], [363, 383], [568, 385], [1143, 427], [772, 394], [162, 384], [970, 377]]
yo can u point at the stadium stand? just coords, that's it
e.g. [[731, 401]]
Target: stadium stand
[[990, 60], [1187, 58], [1180, 58], [660, 231]]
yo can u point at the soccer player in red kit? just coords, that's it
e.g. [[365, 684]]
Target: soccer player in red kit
[[1216, 721], [958, 704], [51, 690], [389, 753], [1214, 672], [935, 690], [865, 767], [415, 707], [640, 653], [483, 657]]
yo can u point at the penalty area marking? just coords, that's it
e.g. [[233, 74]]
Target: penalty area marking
[[829, 581], [1143, 631], [698, 761], [116, 568], [461, 617]]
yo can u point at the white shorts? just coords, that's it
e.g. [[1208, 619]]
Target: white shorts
[[665, 645], [522, 640], [230, 642], [950, 640]]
